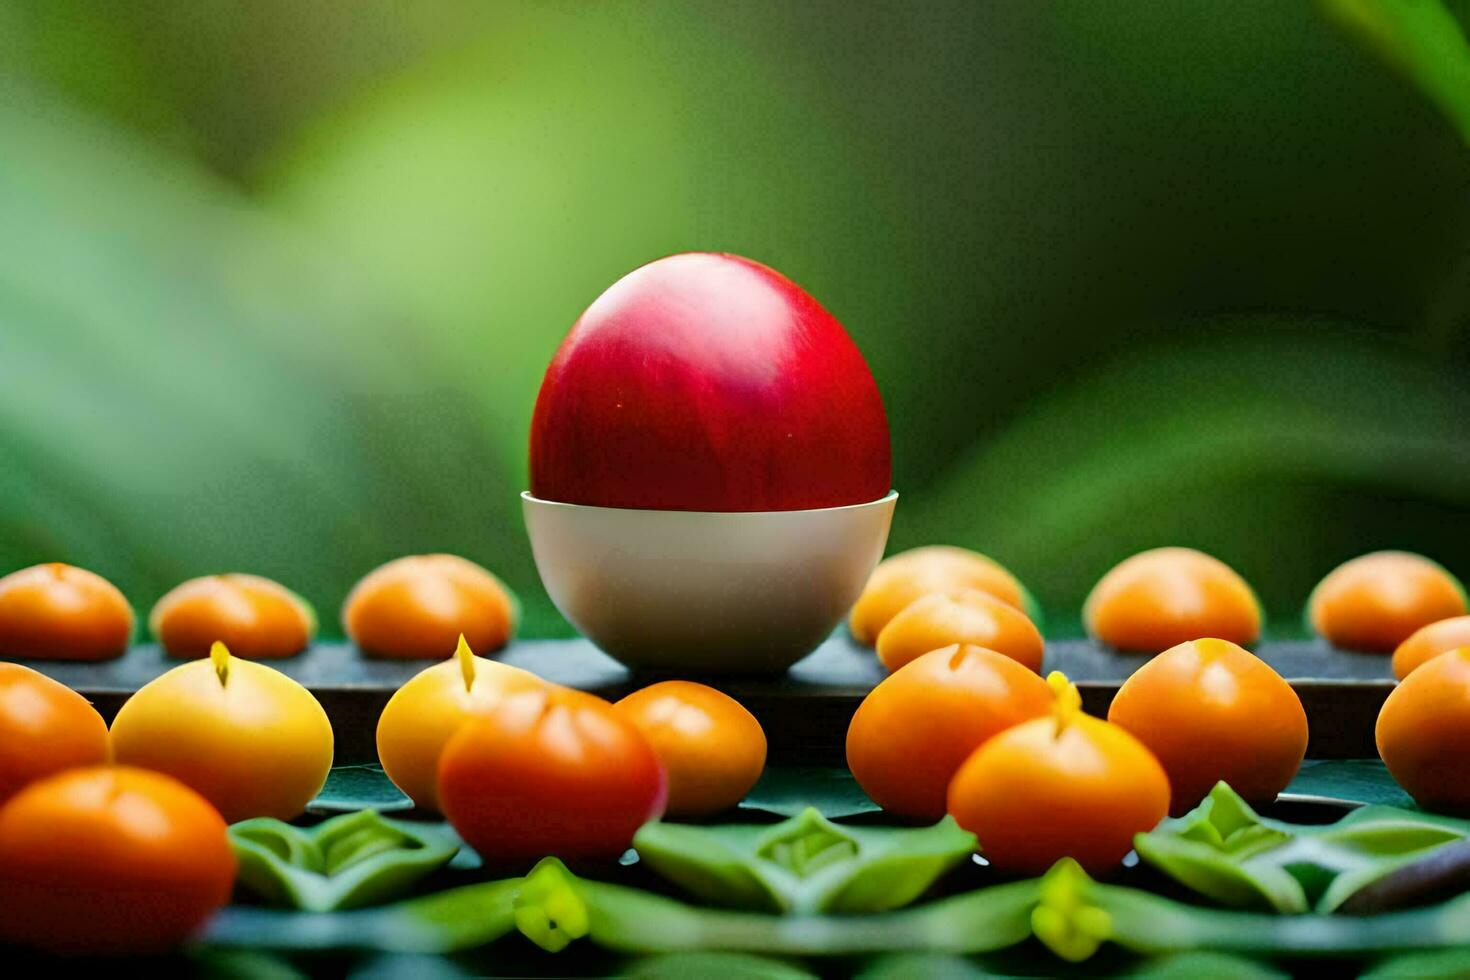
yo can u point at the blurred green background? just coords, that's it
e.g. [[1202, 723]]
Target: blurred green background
[[278, 281]]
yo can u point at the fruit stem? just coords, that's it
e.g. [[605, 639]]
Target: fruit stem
[[219, 655], [466, 658], [1068, 703]]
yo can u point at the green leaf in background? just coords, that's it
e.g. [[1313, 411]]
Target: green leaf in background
[[189, 385], [347, 862], [788, 790], [298, 325], [1271, 392], [1225, 851], [806, 864], [1421, 40]]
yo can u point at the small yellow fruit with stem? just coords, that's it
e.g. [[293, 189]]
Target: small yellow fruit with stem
[[246, 737], [428, 709]]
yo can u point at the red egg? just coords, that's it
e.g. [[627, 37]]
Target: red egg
[[709, 382]]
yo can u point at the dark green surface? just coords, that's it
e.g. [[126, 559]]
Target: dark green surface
[[786, 790], [805, 712]]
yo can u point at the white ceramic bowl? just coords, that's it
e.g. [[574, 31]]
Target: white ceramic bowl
[[706, 593]]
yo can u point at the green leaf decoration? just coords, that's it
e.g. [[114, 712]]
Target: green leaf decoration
[[347, 862], [1210, 849], [551, 904], [365, 787], [788, 790], [932, 966], [1216, 966], [1444, 964], [729, 966], [806, 864], [243, 964], [1072, 915], [1353, 780], [1223, 850], [548, 909], [1065, 921], [1419, 39], [1418, 879]]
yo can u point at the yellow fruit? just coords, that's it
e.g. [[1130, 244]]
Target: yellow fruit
[[246, 737]]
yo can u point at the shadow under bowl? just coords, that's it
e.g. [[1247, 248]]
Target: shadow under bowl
[[691, 592]]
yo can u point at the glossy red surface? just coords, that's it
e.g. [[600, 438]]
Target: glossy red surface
[[709, 382]]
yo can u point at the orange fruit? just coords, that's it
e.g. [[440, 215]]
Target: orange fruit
[[112, 860], [1423, 733], [1067, 785], [910, 575], [1160, 598], [1376, 601], [256, 618], [550, 772], [424, 714], [45, 727], [913, 730], [1211, 710], [419, 606], [1428, 642], [712, 748], [969, 616], [58, 612]]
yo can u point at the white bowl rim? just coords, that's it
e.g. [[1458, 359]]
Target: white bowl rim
[[528, 497]]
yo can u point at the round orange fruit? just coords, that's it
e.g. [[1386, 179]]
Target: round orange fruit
[[913, 574], [45, 727], [970, 617], [59, 612], [110, 860], [425, 713], [1428, 642], [1210, 710], [550, 772], [1376, 601], [713, 749], [1160, 598], [417, 607], [258, 619], [1423, 733], [913, 730]]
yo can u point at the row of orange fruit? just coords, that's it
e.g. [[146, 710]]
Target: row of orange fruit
[[412, 607], [416, 607], [929, 597]]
